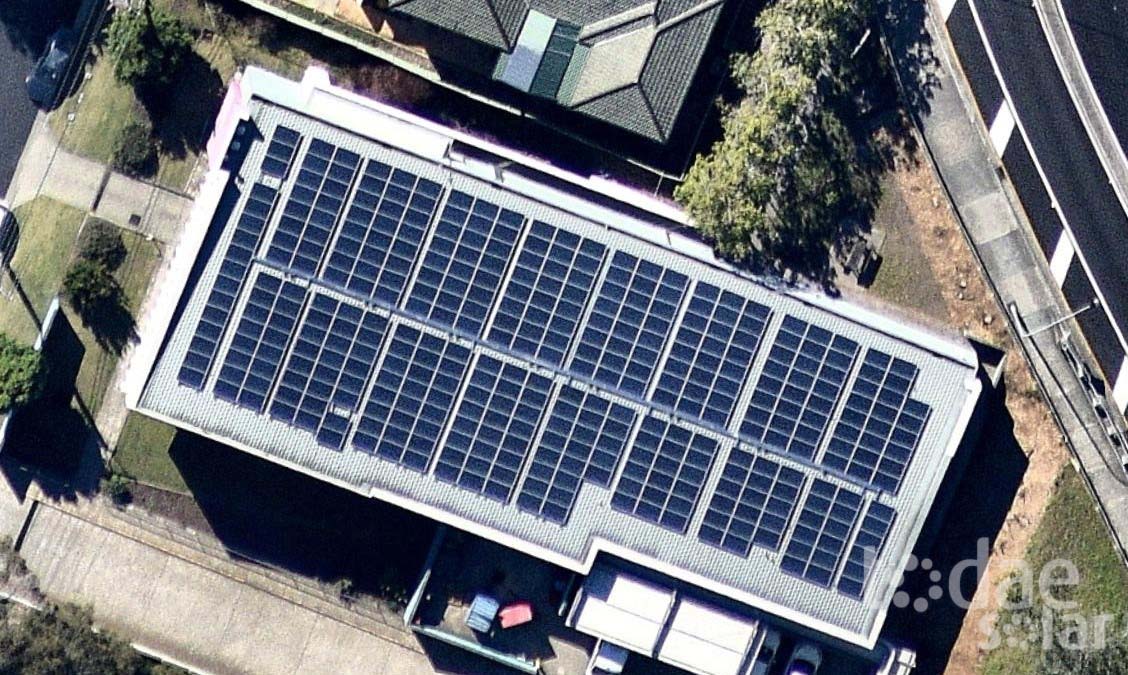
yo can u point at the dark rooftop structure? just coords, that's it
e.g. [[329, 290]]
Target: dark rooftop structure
[[544, 361], [629, 63]]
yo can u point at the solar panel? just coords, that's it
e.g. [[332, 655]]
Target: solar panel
[[865, 549], [664, 474], [280, 153], [494, 428], [583, 440], [228, 284], [314, 205], [714, 346], [624, 335], [465, 262], [382, 232], [752, 504], [260, 341], [877, 434], [412, 396], [545, 298], [798, 388], [825, 522], [329, 365]]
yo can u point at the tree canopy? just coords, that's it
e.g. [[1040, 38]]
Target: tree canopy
[[59, 640], [774, 188], [147, 45], [21, 373]]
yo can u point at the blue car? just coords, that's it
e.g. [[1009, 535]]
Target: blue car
[[45, 79]]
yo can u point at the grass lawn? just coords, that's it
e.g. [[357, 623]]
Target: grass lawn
[[230, 37], [1070, 530], [47, 232], [142, 453], [103, 347], [53, 431]]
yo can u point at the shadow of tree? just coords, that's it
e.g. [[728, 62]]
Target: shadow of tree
[[182, 115], [111, 321], [49, 432], [904, 25]]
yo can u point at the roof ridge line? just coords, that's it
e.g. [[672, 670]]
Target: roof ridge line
[[687, 14]]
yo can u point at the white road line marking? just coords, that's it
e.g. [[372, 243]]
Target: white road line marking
[[946, 7], [1120, 389], [1002, 128], [1062, 258]]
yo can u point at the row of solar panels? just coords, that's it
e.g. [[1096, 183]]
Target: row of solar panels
[[542, 309]]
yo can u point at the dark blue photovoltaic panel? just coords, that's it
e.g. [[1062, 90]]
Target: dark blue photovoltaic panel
[[280, 152], [314, 205], [324, 379], [865, 549], [545, 298], [752, 503], [664, 474], [465, 262], [798, 388], [493, 429], [228, 284], [412, 397], [877, 434], [623, 338], [708, 362], [582, 441], [819, 539], [260, 341], [382, 232]]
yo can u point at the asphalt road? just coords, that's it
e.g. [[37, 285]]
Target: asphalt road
[[25, 25], [1100, 28], [1059, 140]]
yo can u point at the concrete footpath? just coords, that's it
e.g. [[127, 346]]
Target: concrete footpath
[[216, 617], [46, 169], [1002, 239]]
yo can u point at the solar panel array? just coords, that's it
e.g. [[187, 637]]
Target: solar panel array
[[800, 385], [516, 360], [664, 474], [228, 284], [752, 504], [880, 427], [825, 522], [329, 365], [583, 441]]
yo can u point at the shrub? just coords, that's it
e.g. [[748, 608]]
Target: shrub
[[119, 489], [21, 373], [100, 242], [89, 286], [136, 152]]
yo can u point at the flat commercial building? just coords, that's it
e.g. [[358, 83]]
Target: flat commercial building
[[541, 359]]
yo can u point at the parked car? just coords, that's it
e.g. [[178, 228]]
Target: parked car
[[766, 657], [805, 660], [47, 77], [608, 659], [897, 661]]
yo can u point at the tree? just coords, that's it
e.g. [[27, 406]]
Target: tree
[[136, 154], [89, 286], [100, 242], [59, 639], [21, 373], [773, 189], [147, 45]]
